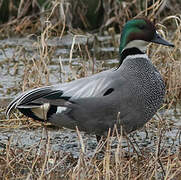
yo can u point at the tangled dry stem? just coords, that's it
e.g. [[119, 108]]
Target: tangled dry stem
[[106, 162]]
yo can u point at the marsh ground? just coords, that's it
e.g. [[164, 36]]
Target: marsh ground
[[30, 150]]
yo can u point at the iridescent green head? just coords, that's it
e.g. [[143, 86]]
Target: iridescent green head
[[138, 33]]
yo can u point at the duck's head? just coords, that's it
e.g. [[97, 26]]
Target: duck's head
[[137, 33]]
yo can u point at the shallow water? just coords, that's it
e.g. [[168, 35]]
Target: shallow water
[[15, 54]]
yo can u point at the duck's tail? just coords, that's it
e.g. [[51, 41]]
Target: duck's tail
[[39, 103]]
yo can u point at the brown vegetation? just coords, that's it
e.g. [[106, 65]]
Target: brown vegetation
[[107, 162]]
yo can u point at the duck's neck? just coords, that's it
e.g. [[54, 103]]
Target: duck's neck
[[132, 48], [128, 52]]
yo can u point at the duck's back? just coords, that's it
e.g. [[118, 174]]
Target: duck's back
[[134, 93]]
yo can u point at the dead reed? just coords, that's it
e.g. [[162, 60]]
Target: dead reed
[[108, 161]]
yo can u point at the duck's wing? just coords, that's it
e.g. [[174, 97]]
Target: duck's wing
[[50, 99], [26, 99]]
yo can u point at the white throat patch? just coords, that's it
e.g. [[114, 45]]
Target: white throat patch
[[140, 44]]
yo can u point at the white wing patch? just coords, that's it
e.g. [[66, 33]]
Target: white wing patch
[[60, 109]]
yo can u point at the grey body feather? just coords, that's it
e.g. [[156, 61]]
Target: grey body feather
[[134, 91]]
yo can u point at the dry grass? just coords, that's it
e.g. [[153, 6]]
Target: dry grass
[[168, 61], [31, 16], [107, 162]]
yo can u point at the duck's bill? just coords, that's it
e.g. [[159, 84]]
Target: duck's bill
[[159, 40]]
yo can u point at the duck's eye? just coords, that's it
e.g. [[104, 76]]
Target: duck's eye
[[141, 26]]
